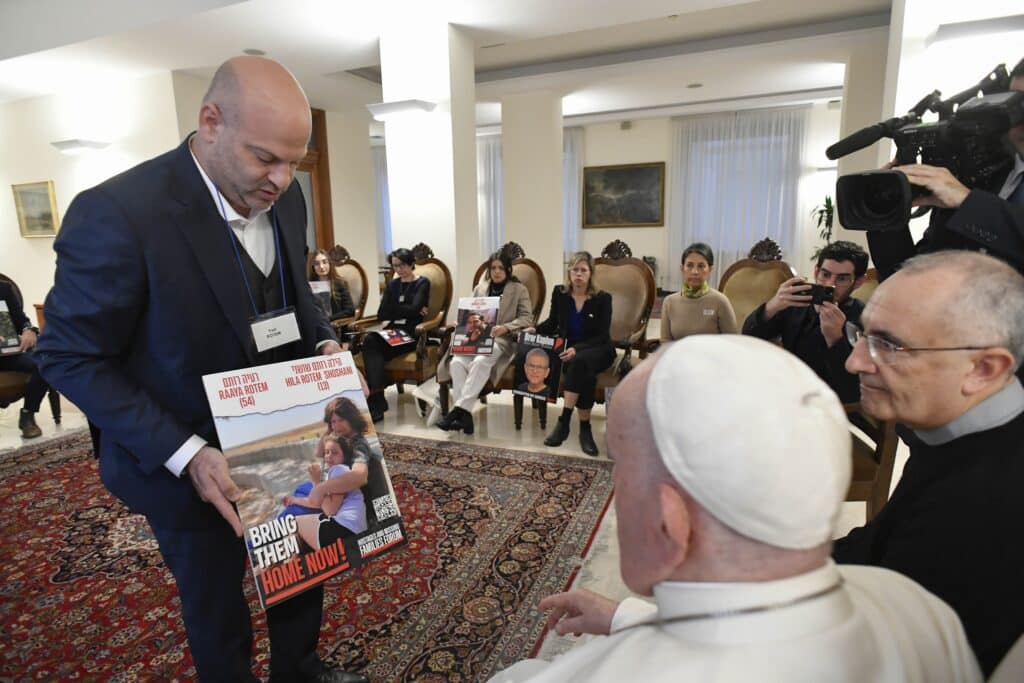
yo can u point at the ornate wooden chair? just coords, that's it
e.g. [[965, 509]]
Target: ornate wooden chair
[[874, 455], [354, 276], [432, 335], [530, 274], [748, 283], [631, 284], [14, 384], [864, 292]]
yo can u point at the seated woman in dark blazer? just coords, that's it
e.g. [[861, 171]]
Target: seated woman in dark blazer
[[583, 315], [401, 307], [320, 268]]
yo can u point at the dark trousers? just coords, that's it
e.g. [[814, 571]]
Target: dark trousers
[[582, 371], [208, 565], [37, 386], [376, 353]]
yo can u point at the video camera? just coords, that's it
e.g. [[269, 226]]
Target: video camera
[[967, 139]]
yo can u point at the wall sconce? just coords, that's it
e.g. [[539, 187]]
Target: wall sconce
[[383, 110], [76, 146]]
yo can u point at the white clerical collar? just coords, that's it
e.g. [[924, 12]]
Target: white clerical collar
[[686, 598], [230, 215], [994, 411], [1013, 178]]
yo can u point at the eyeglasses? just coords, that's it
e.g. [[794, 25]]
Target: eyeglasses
[[885, 352], [840, 279]]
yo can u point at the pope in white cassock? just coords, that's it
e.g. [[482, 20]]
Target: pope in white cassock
[[732, 460]]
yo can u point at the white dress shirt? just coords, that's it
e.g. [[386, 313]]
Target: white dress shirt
[[879, 626], [257, 236]]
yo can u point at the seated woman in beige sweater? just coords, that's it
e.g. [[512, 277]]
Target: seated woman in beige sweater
[[697, 308]]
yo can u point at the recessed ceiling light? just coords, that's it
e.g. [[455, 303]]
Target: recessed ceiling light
[[254, 52], [694, 85]]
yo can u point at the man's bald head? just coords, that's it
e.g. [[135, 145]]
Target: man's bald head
[[242, 82], [254, 125]]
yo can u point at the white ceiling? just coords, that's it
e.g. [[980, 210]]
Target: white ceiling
[[603, 55]]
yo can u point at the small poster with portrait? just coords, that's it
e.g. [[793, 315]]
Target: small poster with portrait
[[322, 294], [292, 433], [394, 336], [10, 340], [475, 321], [538, 366]]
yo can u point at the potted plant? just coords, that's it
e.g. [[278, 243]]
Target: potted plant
[[823, 214]]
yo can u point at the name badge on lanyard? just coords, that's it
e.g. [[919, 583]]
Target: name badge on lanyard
[[274, 329]]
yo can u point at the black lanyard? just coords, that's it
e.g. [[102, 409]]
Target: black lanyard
[[238, 254]]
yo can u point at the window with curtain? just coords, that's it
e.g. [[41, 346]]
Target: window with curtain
[[380, 176], [490, 193], [572, 188], [736, 183]]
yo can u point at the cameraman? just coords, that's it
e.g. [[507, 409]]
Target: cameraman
[[983, 219]]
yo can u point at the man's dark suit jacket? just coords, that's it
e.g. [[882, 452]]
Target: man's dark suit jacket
[[983, 221], [597, 318], [148, 298]]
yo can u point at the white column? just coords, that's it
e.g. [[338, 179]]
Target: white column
[[432, 155], [863, 105], [352, 193], [531, 149]]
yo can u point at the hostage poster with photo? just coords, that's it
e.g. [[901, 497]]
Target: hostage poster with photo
[[474, 323], [538, 366], [316, 496]]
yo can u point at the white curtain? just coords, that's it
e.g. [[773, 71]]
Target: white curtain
[[572, 188], [380, 176], [736, 182], [490, 192]]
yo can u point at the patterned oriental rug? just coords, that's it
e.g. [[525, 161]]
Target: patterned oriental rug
[[84, 594]]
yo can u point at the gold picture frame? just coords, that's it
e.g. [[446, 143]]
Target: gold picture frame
[[36, 205], [624, 195]]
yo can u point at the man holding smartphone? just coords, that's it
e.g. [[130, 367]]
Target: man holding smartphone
[[809, 324]]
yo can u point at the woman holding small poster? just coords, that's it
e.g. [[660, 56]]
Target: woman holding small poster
[[583, 315], [321, 270], [469, 373]]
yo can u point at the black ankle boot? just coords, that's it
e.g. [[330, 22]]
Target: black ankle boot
[[466, 421], [27, 425], [587, 439], [377, 405], [559, 434]]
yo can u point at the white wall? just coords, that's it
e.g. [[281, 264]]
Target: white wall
[[651, 140], [818, 180], [136, 116], [188, 97], [648, 140]]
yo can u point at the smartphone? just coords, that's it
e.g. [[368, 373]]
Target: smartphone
[[821, 293]]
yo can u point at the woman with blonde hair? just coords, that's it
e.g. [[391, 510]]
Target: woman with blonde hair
[[583, 315]]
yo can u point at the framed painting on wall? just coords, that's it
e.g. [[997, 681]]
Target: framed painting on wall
[[624, 196], [37, 209]]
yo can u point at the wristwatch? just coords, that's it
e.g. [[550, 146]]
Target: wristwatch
[[32, 328]]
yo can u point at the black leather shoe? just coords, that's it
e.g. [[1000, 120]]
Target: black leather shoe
[[559, 434], [332, 674], [466, 421], [27, 425], [449, 421], [587, 440]]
